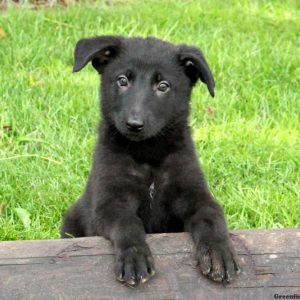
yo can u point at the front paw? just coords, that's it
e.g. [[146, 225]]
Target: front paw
[[134, 265], [217, 261]]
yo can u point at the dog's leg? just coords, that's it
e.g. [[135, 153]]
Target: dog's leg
[[73, 225], [214, 251], [203, 218], [117, 221]]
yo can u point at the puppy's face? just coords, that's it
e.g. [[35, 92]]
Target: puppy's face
[[146, 83], [144, 90]]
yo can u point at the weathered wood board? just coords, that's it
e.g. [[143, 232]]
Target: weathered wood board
[[83, 269]]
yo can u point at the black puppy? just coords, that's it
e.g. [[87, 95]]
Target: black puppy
[[145, 176]]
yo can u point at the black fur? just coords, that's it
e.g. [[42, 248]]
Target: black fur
[[145, 176]]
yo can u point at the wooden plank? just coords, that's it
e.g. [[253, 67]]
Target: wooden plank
[[82, 269]]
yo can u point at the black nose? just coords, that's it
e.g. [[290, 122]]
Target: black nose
[[134, 125]]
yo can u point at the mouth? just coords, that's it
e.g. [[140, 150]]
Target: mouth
[[135, 137]]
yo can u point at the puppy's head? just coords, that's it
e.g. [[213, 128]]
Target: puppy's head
[[146, 83]]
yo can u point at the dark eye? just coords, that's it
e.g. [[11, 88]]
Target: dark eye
[[122, 80], [163, 86]]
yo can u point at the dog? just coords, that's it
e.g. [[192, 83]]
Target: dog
[[145, 176]]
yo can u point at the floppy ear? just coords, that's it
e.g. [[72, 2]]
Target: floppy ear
[[100, 50], [196, 66]]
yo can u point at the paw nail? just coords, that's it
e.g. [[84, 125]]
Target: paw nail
[[131, 282], [206, 272], [143, 279], [228, 277], [120, 278]]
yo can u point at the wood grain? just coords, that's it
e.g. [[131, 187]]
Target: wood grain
[[83, 268]]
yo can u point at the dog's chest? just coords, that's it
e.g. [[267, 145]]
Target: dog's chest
[[153, 180], [155, 207]]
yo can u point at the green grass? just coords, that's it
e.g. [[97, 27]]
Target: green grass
[[247, 137]]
